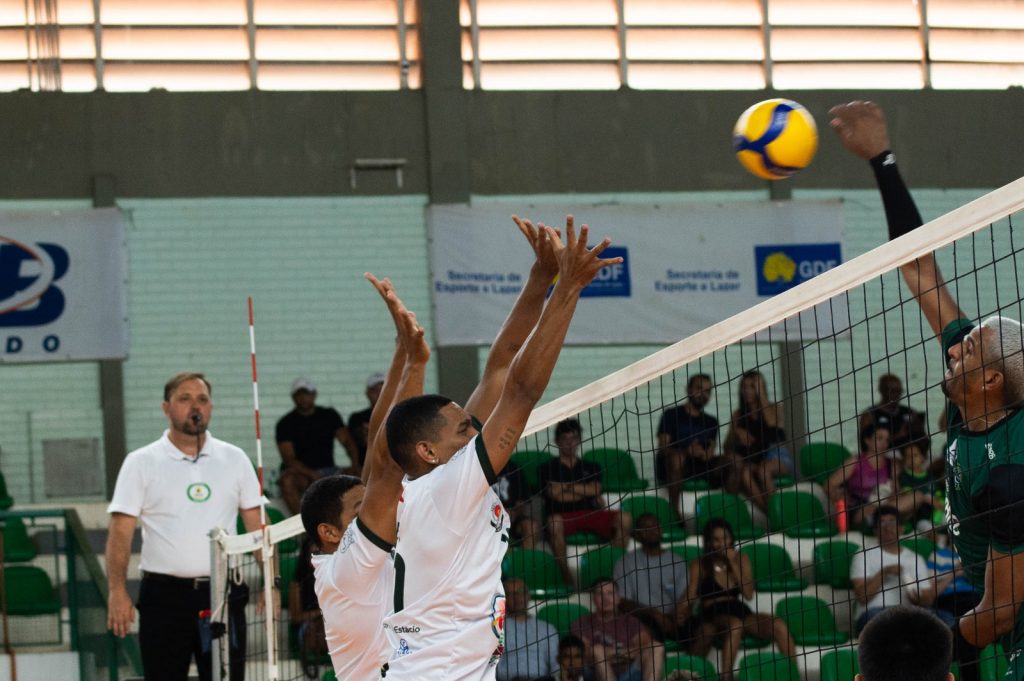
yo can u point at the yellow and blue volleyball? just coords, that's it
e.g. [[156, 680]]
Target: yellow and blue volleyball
[[775, 138]]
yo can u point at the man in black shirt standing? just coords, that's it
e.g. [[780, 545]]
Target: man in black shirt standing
[[305, 439]]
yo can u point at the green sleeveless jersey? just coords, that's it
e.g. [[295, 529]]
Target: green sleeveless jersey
[[979, 505]]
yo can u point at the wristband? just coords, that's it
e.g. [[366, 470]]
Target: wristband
[[900, 211]]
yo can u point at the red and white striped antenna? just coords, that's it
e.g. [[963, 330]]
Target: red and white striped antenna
[[256, 413]]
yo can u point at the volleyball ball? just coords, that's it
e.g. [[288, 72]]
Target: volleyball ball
[[775, 138]]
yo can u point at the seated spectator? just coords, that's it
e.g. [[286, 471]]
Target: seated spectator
[[531, 645], [572, 664], [618, 645], [917, 484], [757, 440], [719, 581], [652, 581], [889, 412], [954, 593], [305, 440], [304, 610], [863, 481], [904, 643], [687, 436], [572, 496], [890, 574]]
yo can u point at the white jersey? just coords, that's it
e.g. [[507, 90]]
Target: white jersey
[[353, 586], [449, 607]]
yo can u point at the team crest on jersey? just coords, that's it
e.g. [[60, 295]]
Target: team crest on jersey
[[198, 492], [497, 516], [497, 627], [347, 539]]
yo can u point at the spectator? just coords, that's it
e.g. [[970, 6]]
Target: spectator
[[304, 610], [863, 481], [720, 580], [905, 643], [514, 492], [572, 495], [531, 645], [898, 418], [305, 439], [618, 645], [572, 664], [916, 475], [652, 581], [890, 574], [687, 436], [757, 439], [360, 420]]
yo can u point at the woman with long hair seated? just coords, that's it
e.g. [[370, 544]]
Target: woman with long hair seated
[[719, 581]]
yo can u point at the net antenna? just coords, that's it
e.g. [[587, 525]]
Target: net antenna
[[942, 231]]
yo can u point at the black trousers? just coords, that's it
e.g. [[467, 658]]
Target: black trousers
[[171, 631]]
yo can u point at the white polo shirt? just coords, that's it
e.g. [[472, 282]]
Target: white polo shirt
[[448, 617], [178, 500], [353, 586]]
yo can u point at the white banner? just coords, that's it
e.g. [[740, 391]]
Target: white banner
[[63, 277], [686, 266]]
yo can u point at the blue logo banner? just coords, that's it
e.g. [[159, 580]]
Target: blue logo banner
[[780, 267]]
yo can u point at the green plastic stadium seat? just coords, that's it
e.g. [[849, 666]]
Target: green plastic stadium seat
[[696, 485], [701, 665], [810, 621], [839, 665], [5, 498], [799, 514], [784, 481], [561, 615], [584, 539], [687, 551], [539, 570], [29, 591], [529, 460], [286, 572], [329, 676], [732, 508], [598, 563], [819, 459], [832, 563], [18, 546], [618, 470], [767, 667], [773, 568], [922, 546], [639, 504]]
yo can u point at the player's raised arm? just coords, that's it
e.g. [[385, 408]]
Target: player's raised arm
[[520, 321], [531, 369], [404, 380], [862, 129]]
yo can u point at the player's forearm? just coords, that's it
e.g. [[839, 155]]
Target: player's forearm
[[986, 624], [901, 212], [383, 404], [531, 369]]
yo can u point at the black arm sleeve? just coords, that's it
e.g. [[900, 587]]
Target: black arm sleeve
[[1000, 505], [900, 211]]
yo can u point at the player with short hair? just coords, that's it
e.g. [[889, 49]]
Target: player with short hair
[[984, 384], [354, 525], [905, 643], [449, 608]]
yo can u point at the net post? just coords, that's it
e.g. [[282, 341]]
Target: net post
[[217, 605], [269, 582]]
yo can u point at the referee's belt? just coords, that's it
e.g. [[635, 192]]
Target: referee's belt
[[184, 582]]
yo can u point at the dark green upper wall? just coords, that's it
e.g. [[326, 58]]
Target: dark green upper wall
[[163, 144]]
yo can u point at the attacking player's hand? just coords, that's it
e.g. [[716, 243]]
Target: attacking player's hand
[[861, 128], [546, 259], [577, 264], [411, 336], [120, 612]]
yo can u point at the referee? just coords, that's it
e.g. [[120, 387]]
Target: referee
[[179, 487]]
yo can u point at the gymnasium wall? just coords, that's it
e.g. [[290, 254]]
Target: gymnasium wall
[[193, 261]]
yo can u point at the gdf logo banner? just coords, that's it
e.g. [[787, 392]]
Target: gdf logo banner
[[62, 286]]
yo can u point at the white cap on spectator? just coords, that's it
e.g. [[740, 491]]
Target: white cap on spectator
[[303, 384], [375, 378]]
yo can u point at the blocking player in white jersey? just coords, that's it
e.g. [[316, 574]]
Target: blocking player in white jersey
[[448, 617], [353, 570]]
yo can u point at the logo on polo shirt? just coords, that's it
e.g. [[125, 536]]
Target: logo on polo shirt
[[198, 492]]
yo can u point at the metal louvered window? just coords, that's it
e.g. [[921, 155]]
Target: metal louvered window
[[138, 45], [742, 44]]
